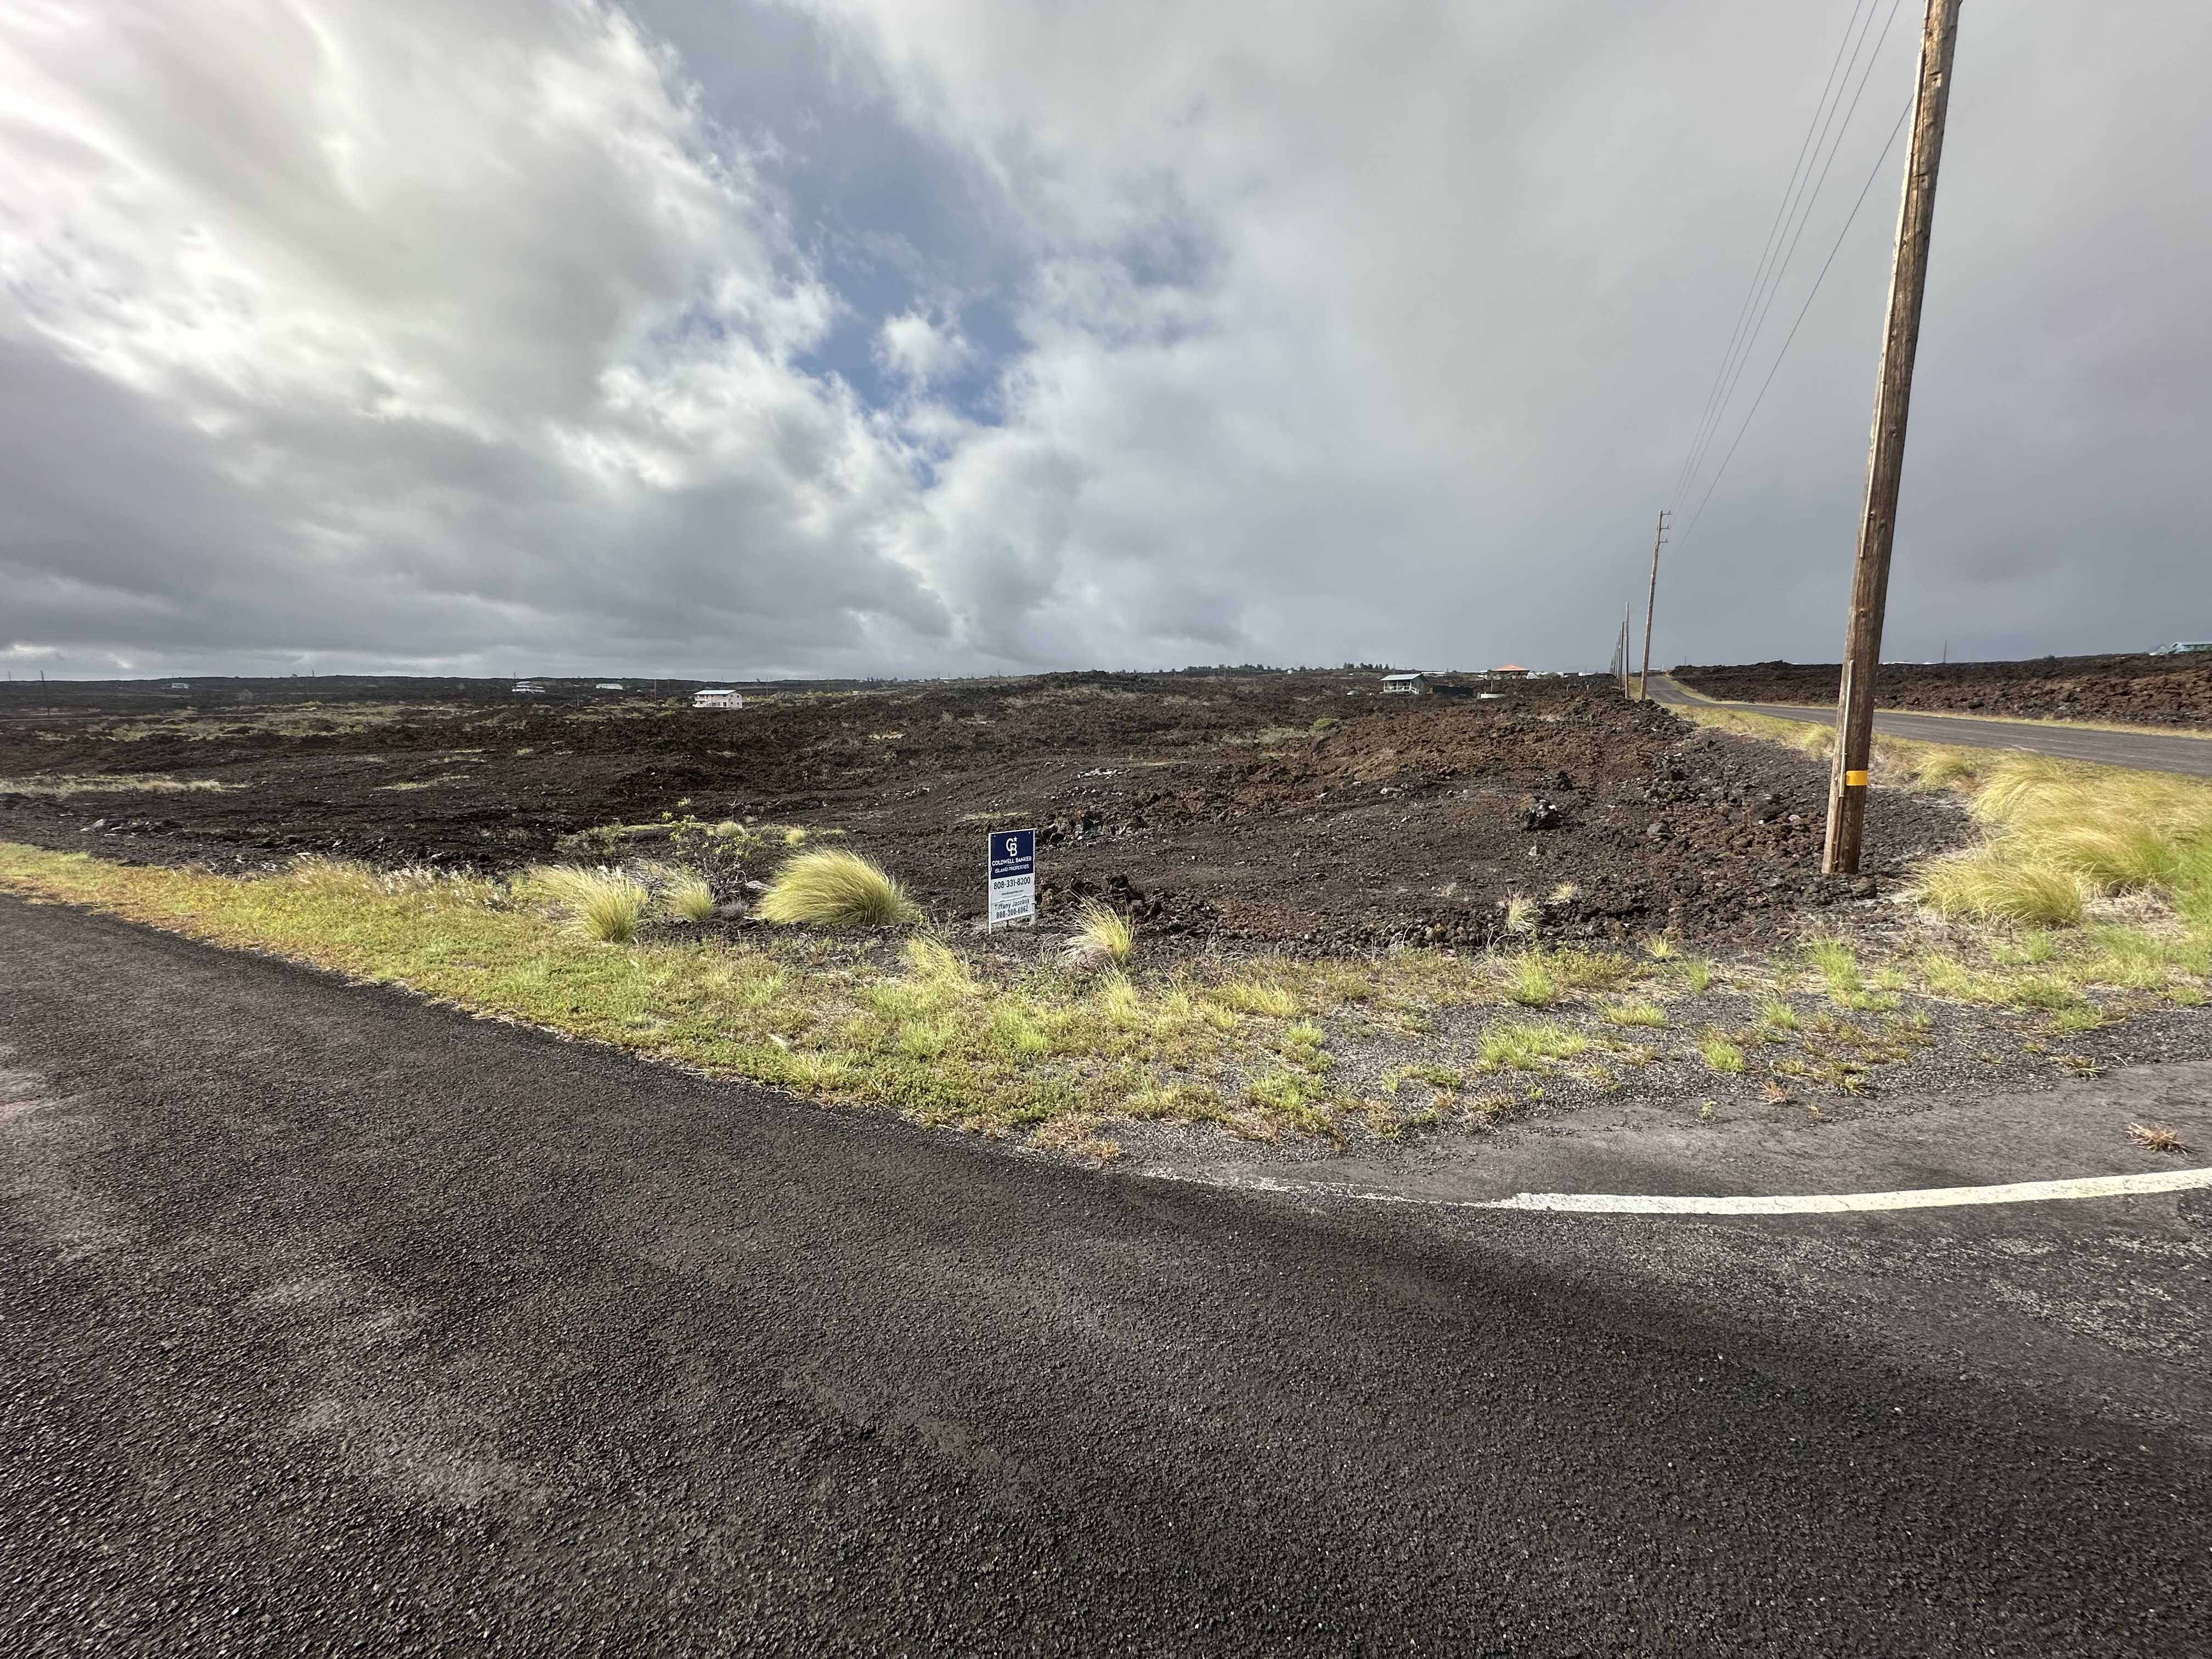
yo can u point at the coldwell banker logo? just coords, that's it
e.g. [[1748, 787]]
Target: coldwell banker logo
[[1010, 872]]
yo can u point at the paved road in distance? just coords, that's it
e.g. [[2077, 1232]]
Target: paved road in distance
[[2141, 752], [332, 1321]]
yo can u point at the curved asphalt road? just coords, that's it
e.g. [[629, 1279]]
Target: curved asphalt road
[[2142, 752], [331, 1321]]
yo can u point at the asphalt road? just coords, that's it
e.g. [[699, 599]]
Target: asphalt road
[[334, 1321], [2141, 752]]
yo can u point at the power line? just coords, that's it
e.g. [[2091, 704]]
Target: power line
[[1799, 218], [1888, 145], [1710, 412], [1806, 219], [1797, 205]]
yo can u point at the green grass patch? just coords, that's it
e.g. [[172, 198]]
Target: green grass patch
[[1530, 982], [1720, 1054], [1529, 1045], [1837, 967], [1972, 884], [1538, 978], [1256, 996]]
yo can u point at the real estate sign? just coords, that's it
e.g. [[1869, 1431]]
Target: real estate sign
[[1011, 862]]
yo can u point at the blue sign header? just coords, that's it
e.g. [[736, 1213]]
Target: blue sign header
[[1013, 853]]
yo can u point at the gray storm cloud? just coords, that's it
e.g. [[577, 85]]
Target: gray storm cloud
[[852, 337]]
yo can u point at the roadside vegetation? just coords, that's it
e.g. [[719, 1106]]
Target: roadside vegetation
[[1103, 938], [600, 904], [2060, 837], [1898, 762], [2088, 902], [61, 785], [836, 889], [2062, 840], [689, 899], [898, 1019]]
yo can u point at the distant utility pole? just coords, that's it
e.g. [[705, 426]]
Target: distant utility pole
[[1893, 399], [1643, 680]]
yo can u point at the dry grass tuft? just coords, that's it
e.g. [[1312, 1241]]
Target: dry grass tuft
[[1934, 767], [1103, 938], [2061, 835], [691, 899], [1811, 738], [1975, 884], [60, 784], [2157, 1137], [601, 904], [837, 890]]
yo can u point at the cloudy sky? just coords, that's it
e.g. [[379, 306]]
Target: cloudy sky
[[777, 336]]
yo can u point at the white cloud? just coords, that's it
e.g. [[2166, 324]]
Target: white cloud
[[1381, 328], [449, 331], [398, 331], [919, 350]]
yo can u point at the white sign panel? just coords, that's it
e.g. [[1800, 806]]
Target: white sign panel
[[1010, 864]]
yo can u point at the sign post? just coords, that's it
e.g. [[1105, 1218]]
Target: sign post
[[1011, 862]]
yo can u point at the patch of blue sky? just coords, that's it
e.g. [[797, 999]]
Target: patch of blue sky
[[892, 222]]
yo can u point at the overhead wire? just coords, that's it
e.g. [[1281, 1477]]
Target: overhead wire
[[1804, 221], [1800, 215], [1890, 144], [1710, 414]]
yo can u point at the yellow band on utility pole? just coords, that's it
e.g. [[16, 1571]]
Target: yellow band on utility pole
[[1854, 780]]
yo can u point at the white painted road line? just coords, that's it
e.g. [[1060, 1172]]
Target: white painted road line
[[1923, 1198]]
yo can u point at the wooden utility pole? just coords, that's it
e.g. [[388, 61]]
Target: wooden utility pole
[[1893, 399], [1643, 680]]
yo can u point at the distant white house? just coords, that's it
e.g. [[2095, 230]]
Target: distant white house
[[720, 696], [611, 685], [180, 685], [2183, 648], [528, 688], [1403, 685]]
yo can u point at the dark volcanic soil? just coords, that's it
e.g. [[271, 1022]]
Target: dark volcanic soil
[[2135, 691], [1300, 809]]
